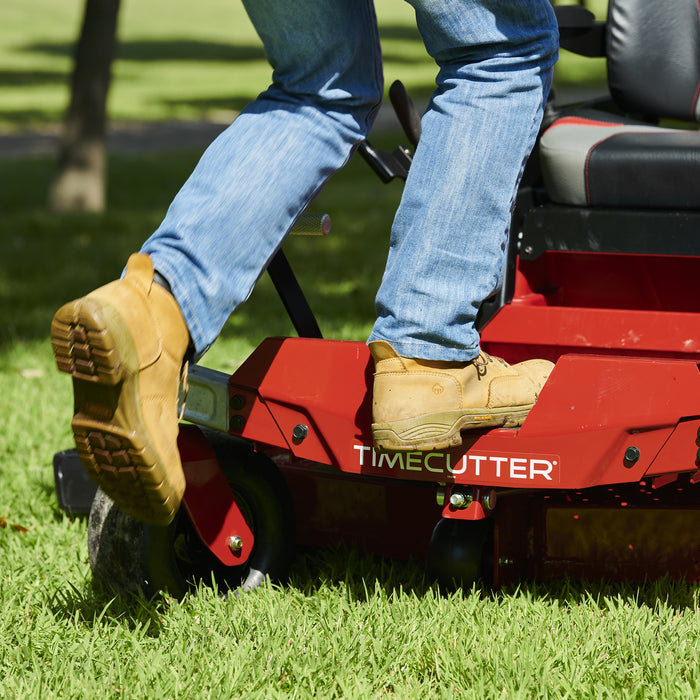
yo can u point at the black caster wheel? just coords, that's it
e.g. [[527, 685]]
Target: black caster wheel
[[128, 556], [461, 553]]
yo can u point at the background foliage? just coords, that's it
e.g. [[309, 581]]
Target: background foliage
[[182, 60]]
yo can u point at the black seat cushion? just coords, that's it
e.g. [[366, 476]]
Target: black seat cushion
[[598, 159]]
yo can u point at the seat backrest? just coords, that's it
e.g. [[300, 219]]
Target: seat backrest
[[653, 53]]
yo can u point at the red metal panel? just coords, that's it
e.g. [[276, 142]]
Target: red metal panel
[[322, 384], [251, 419], [609, 281], [591, 411], [680, 453], [565, 328], [209, 501]]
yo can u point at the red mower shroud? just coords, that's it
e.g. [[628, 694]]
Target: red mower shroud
[[618, 419]]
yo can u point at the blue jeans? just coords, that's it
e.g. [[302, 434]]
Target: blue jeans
[[449, 237]]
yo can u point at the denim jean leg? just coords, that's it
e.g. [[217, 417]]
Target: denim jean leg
[[251, 184], [449, 237]]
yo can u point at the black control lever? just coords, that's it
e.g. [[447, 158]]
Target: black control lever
[[405, 111], [386, 165]]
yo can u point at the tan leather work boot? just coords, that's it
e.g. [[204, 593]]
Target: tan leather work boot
[[124, 345], [424, 404]]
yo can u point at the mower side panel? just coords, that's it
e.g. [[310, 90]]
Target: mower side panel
[[323, 385], [590, 413], [519, 331]]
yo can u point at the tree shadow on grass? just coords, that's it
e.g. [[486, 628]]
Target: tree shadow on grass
[[170, 49], [188, 49], [26, 78], [93, 607], [366, 575], [49, 259]]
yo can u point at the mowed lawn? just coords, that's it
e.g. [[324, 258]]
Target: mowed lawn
[[344, 625]]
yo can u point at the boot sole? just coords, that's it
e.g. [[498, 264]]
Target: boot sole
[[92, 343], [442, 430]]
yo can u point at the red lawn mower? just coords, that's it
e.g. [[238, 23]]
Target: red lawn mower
[[603, 477]]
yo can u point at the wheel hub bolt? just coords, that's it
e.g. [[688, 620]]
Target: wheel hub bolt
[[461, 499], [235, 544]]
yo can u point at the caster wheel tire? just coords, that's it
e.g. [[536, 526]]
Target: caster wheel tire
[[128, 556], [461, 553]]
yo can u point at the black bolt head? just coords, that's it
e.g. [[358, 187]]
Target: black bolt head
[[237, 423], [300, 432], [237, 402], [632, 455]]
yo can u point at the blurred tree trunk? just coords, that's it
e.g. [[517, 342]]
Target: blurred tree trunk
[[79, 183]]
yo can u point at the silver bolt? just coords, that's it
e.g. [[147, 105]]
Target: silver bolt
[[235, 544], [460, 499]]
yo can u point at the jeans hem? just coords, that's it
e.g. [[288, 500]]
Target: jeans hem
[[430, 351]]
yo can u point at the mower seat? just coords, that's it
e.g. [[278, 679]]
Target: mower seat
[[614, 153]]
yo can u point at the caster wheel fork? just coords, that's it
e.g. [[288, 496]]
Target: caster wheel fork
[[128, 556]]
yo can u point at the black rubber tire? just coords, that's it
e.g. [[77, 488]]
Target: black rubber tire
[[128, 556], [460, 553]]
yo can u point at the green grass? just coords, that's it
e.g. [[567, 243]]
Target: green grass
[[358, 633]]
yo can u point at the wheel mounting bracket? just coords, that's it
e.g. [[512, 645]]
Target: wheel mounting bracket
[[210, 502]]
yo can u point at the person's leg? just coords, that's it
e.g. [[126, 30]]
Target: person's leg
[[255, 179], [449, 237], [124, 343]]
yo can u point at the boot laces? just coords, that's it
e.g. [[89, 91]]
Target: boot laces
[[483, 359]]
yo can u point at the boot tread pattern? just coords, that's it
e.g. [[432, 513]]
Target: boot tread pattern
[[85, 353], [119, 459], [120, 467]]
